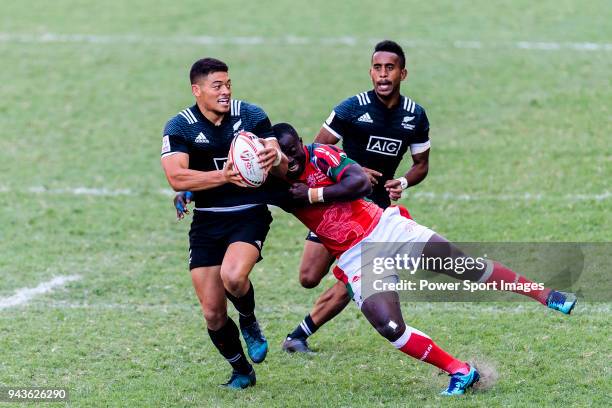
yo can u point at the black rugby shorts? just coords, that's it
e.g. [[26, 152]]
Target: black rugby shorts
[[212, 232]]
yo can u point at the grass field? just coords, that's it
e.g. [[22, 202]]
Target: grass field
[[518, 95]]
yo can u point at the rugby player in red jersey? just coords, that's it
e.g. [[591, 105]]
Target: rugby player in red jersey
[[326, 190]]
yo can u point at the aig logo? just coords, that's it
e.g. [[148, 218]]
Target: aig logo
[[384, 145]]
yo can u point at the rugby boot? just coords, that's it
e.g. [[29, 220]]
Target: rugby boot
[[296, 345], [257, 345], [459, 383], [239, 381], [561, 301]]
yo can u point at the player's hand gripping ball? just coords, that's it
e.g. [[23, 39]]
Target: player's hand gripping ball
[[243, 153]]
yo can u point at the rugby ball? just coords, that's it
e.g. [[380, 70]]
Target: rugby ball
[[243, 153]]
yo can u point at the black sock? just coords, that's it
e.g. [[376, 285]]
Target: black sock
[[245, 305], [227, 341], [306, 328]]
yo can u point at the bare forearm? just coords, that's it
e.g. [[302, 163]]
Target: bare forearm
[[351, 191], [194, 180], [352, 186], [417, 173], [326, 137]]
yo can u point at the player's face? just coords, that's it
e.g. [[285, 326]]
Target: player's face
[[213, 92], [293, 148], [386, 73]]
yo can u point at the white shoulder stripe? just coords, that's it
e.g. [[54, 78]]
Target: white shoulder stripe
[[235, 107], [189, 116], [363, 98], [184, 114], [409, 105], [190, 113]]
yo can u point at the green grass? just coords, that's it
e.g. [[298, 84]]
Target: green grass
[[130, 333]]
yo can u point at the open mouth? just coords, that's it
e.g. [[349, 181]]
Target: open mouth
[[383, 86], [293, 167], [223, 101]]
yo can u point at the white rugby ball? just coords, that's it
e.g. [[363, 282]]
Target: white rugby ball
[[243, 153]]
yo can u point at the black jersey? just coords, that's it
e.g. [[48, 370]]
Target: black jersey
[[377, 137], [208, 145]]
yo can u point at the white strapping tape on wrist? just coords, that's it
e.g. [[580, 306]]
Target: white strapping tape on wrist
[[278, 159], [315, 195], [403, 182]]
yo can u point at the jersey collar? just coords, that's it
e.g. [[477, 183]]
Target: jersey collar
[[195, 108], [378, 103]]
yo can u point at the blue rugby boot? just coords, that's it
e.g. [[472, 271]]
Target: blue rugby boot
[[256, 342], [239, 381], [459, 383], [561, 301]]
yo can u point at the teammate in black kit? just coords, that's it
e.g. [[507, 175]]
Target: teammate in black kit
[[229, 227], [377, 128]]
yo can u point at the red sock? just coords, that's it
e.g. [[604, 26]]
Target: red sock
[[503, 273], [418, 345]]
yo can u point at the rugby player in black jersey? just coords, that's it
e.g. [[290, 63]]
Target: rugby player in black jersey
[[376, 128], [229, 227]]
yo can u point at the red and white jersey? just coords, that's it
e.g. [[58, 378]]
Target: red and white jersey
[[339, 225]]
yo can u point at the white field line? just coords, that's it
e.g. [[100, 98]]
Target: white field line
[[46, 38], [426, 196], [24, 295], [509, 197], [509, 307]]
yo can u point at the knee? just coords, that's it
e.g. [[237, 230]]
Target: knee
[[215, 317], [309, 282], [309, 277], [233, 281], [390, 330]]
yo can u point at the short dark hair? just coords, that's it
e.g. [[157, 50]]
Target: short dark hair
[[205, 66], [280, 129], [393, 47]]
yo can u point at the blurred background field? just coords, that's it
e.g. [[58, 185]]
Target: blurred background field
[[518, 96]]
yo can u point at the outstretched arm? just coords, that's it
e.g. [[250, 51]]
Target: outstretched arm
[[353, 184]]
